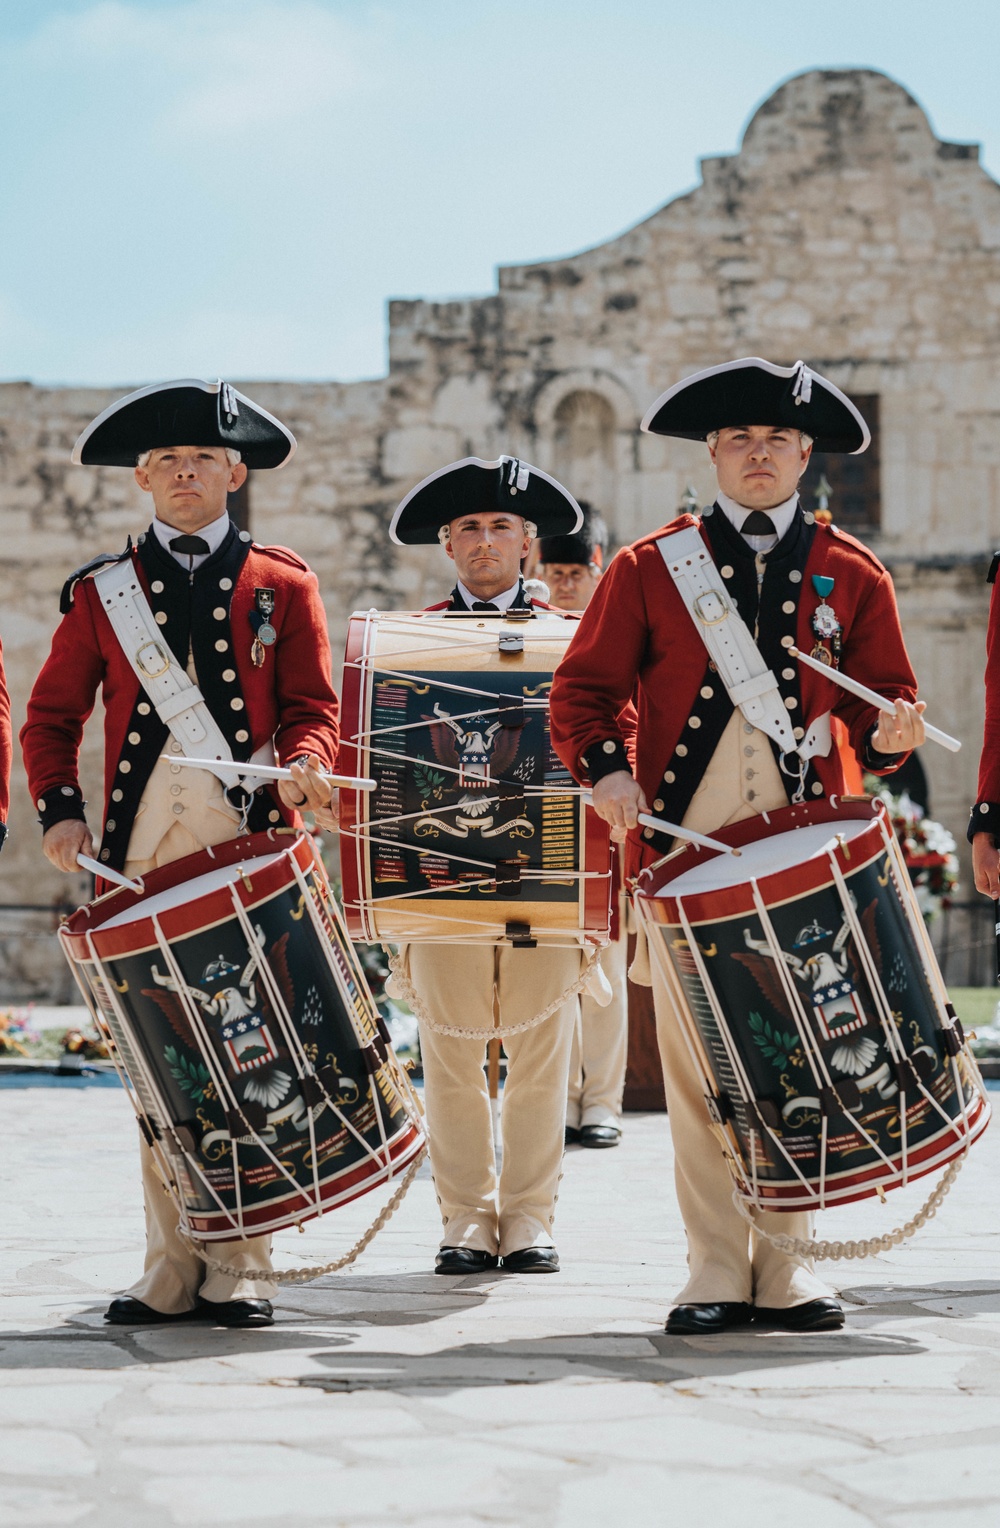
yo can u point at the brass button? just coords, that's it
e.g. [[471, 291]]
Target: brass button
[[694, 721], [225, 583], [706, 692], [681, 750], [788, 673], [791, 702], [748, 753], [726, 571], [221, 647], [274, 816], [157, 586], [110, 825], [219, 613], [117, 795], [795, 576], [789, 607], [788, 641], [817, 789], [175, 769], [134, 737], [143, 708], [236, 704], [242, 736], [229, 675], [647, 832], [749, 727], [670, 777], [40, 803], [800, 732], [105, 854], [177, 807], [161, 618], [124, 766], [608, 747], [657, 805], [175, 790]]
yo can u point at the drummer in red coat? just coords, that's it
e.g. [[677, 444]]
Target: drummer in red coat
[[246, 624], [702, 763], [5, 752]]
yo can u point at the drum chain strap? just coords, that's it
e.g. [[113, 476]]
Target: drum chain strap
[[406, 990], [870, 1246], [304, 1275]]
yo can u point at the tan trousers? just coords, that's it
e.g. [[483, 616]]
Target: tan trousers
[[466, 985], [600, 1047], [726, 1260], [173, 1276]]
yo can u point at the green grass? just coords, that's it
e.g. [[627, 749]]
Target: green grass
[[975, 1006]]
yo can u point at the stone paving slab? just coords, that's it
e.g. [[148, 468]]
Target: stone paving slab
[[386, 1395]]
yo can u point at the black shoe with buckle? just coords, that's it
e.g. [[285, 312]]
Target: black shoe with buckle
[[531, 1260], [237, 1312], [464, 1260], [126, 1310], [824, 1315], [697, 1319]]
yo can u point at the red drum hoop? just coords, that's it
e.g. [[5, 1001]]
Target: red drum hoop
[[247, 1035], [805, 984], [476, 834]]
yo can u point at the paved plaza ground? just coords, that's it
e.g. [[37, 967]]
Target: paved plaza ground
[[386, 1395]]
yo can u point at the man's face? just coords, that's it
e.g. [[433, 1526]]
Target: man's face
[[189, 484], [487, 551], [571, 584], [759, 465]]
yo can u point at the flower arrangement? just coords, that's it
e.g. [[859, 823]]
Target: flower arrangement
[[16, 1034], [928, 849]]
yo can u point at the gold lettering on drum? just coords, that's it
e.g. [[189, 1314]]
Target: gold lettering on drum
[[298, 912], [559, 817]]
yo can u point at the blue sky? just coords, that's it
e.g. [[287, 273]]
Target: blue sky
[[238, 186]]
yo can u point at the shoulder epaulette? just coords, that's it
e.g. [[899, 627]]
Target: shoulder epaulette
[[991, 576], [859, 546], [283, 554], [102, 560]]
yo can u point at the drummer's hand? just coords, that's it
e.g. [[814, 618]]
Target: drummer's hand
[[618, 801], [986, 865], [328, 817], [306, 791], [64, 841], [900, 733]]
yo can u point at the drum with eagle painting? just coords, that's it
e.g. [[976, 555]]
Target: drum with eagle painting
[[803, 977], [244, 1024]]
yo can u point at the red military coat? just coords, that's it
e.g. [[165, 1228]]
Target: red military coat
[[5, 751], [636, 641], [289, 698], [985, 816]]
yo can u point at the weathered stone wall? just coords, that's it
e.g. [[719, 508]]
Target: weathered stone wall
[[842, 231]]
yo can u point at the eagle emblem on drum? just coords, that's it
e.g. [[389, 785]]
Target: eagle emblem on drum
[[227, 996], [830, 979], [478, 751]]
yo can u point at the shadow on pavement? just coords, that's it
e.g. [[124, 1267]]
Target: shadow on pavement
[[305, 1315], [658, 1360], [957, 1299]]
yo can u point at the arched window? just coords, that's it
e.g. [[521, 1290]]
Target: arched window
[[584, 441]]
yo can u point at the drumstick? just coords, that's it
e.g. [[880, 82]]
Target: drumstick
[[864, 693], [96, 868], [675, 831], [267, 771]]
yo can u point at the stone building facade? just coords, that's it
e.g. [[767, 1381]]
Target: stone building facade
[[842, 231]]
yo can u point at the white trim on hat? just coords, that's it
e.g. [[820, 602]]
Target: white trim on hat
[[162, 387], [800, 370], [524, 468]]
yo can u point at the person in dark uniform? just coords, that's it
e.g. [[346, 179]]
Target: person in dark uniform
[[703, 761], [485, 515], [984, 819], [246, 624]]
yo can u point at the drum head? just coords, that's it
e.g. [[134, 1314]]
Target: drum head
[[190, 891], [764, 857]]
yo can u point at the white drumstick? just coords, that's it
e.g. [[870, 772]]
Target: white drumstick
[[96, 868], [266, 771], [864, 693], [662, 826]]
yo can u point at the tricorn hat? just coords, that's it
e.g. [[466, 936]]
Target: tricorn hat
[[588, 544], [753, 391], [475, 487], [186, 413]]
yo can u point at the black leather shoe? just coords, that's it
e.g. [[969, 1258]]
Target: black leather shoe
[[696, 1320], [237, 1312], [531, 1260], [125, 1310], [571, 1136], [600, 1135], [464, 1260], [823, 1315]]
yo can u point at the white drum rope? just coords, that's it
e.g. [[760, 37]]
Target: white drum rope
[[405, 989], [869, 1246], [316, 1270]]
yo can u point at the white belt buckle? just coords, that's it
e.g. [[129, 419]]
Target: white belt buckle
[[710, 608], [152, 660]]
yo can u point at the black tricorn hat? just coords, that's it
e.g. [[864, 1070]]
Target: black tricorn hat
[[186, 413], [753, 391], [475, 487], [587, 545]]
